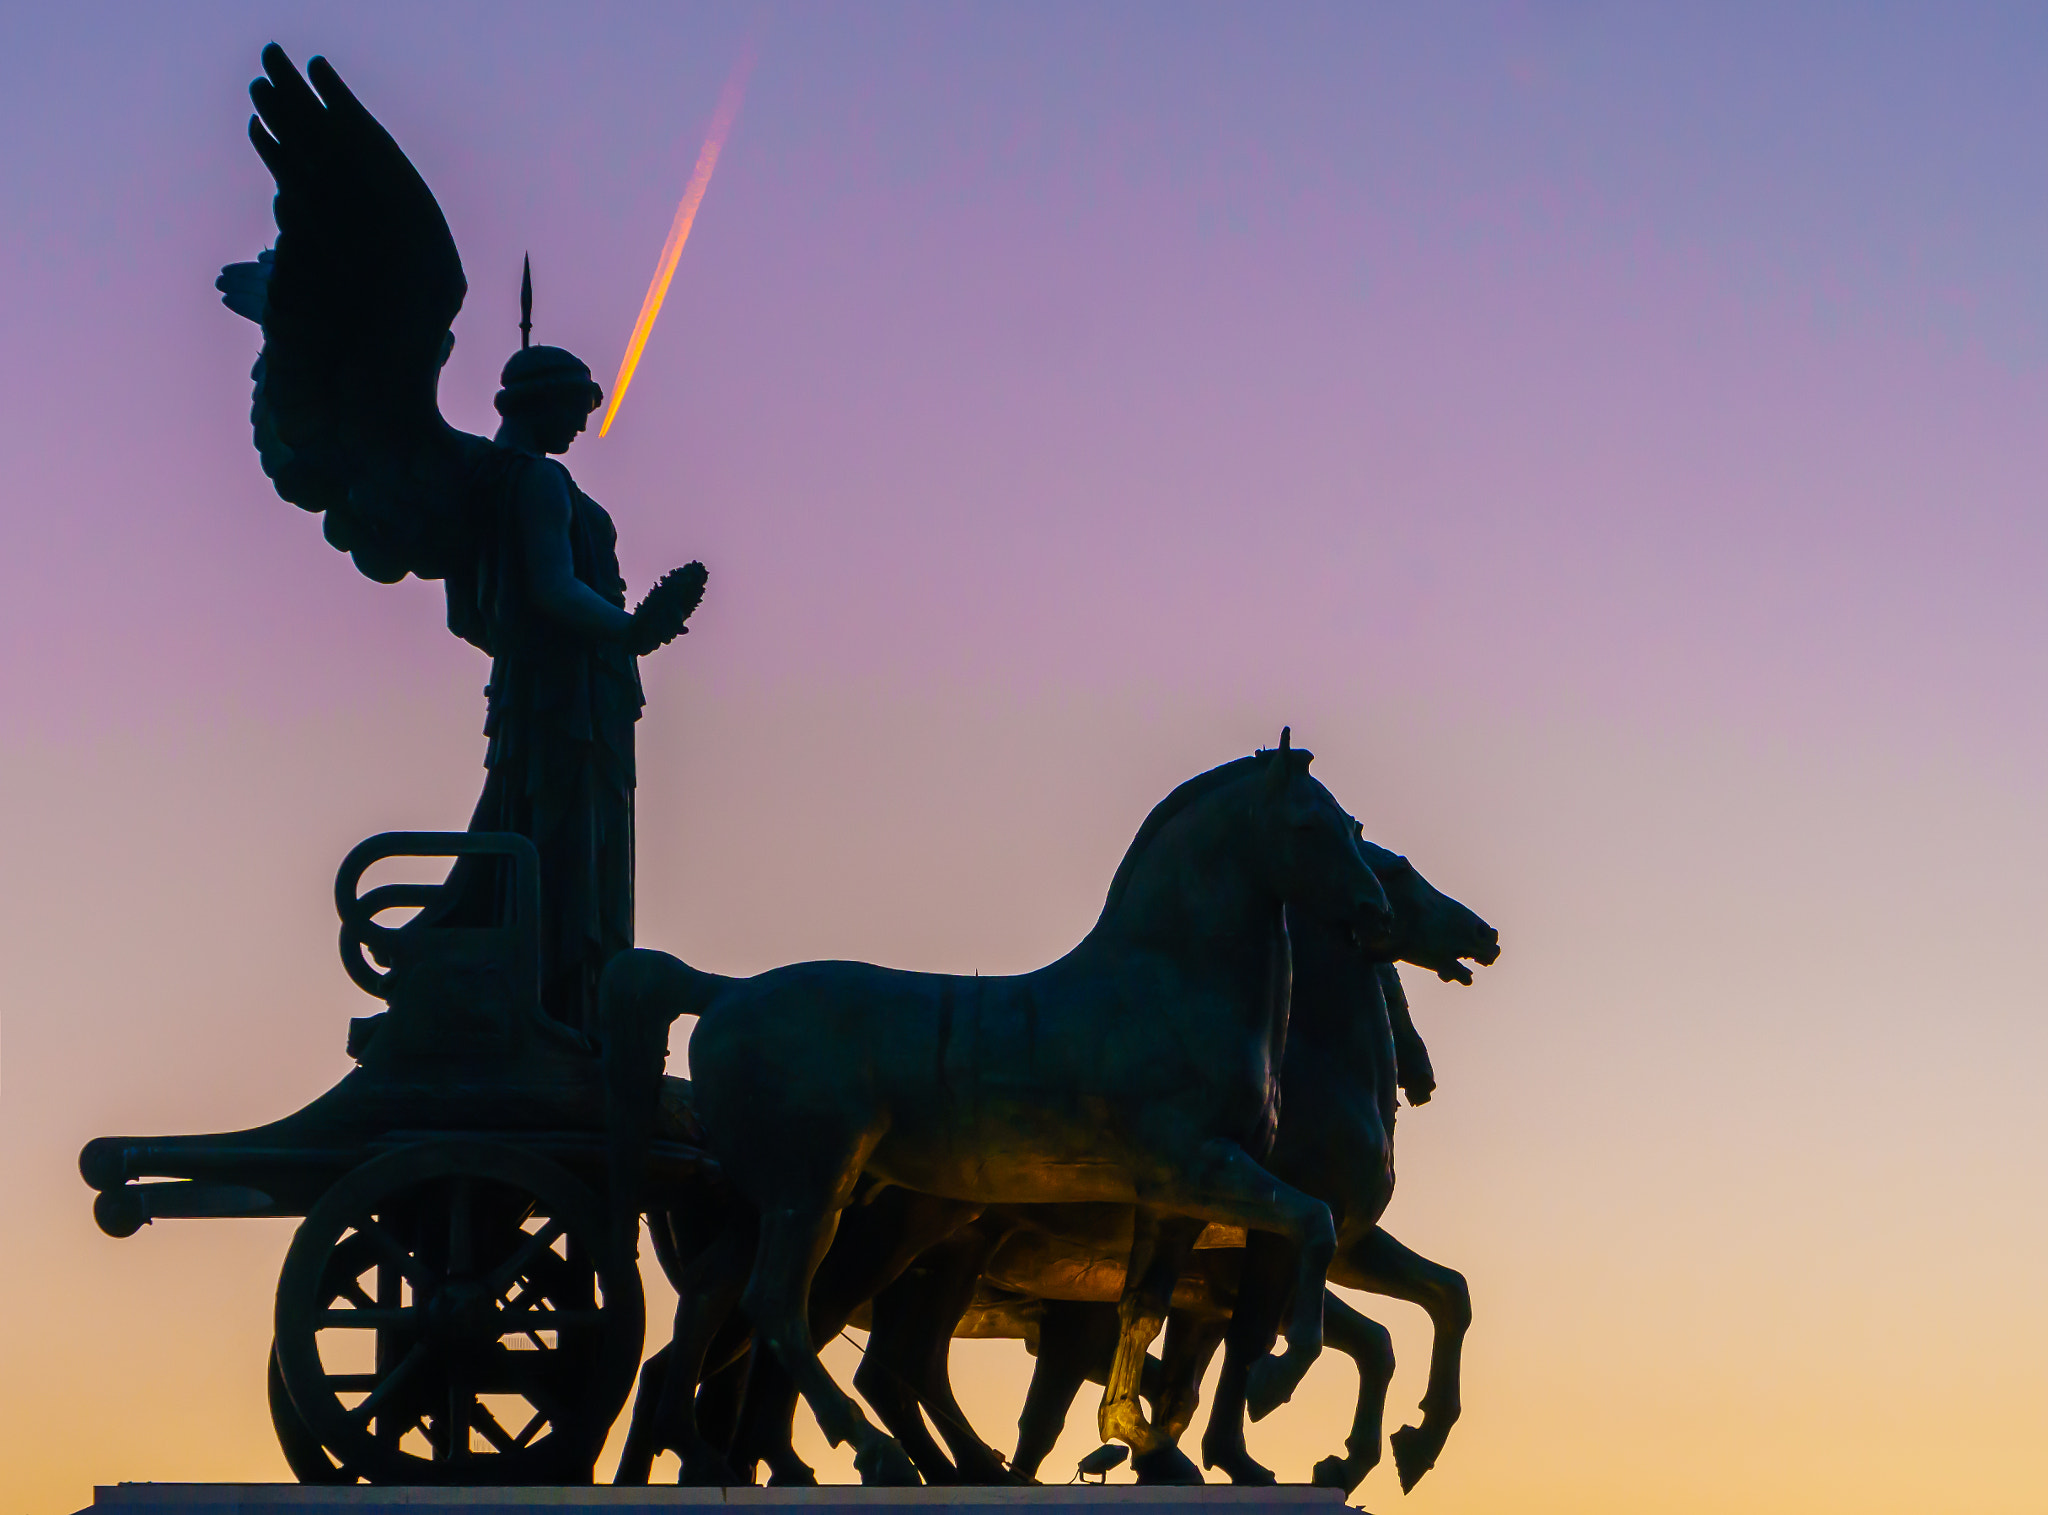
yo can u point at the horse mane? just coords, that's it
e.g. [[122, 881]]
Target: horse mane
[[1196, 788]]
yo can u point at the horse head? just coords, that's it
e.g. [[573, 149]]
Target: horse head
[[1431, 930], [1311, 853]]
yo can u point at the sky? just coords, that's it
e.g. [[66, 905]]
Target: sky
[[1611, 436]]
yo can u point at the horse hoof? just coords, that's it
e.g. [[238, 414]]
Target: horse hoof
[[995, 1475], [1413, 1455], [706, 1471], [1123, 1421], [794, 1474], [1236, 1465], [1338, 1473], [885, 1463], [1270, 1386], [1168, 1465]]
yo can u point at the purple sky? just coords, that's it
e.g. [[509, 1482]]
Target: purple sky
[[1612, 436]]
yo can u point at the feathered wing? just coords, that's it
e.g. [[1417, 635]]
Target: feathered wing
[[356, 302]]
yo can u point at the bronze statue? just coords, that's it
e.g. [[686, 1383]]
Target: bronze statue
[[1052, 1273], [1183, 1123], [356, 302], [1140, 1069], [450, 1183]]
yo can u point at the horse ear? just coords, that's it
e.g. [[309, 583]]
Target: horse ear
[[1280, 765], [1291, 755]]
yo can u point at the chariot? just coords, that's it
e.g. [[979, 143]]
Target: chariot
[[458, 1304]]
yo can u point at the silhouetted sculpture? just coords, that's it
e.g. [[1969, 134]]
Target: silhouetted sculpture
[[1073, 1154], [454, 1236], [1052, 1273], [1140, 1069], [356, 302]]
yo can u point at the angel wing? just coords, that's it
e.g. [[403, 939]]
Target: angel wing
[[355, 302]]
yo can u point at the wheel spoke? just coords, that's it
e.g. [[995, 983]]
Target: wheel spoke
[[366, 1317], [353, 1290], [529, 1321], [395, 1254], [493, 1433], [532, 1428], [390, 1382], [345, 1270], [536, 1243], [531, 1375]]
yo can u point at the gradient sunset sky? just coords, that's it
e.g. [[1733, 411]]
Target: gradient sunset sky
[[1611, 435]]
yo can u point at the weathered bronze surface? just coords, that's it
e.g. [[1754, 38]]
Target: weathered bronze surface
[[1184, 1124], [1051, 1274], [1140, 1069]]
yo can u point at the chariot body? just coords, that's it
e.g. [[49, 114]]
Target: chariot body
[[457, 1305]]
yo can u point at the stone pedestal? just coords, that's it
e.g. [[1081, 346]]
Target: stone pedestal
[[1061, 1499]]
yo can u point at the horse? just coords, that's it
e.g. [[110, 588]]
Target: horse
[[1340, 1072], [1351, 1042], [1139, 1069]]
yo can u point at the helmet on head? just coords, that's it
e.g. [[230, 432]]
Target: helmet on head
[[546, 374], [542, 375]]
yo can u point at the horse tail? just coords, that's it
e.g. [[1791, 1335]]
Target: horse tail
[[642, 985], [642, 993]]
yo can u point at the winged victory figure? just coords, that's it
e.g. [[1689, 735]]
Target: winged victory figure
[[356, 302]]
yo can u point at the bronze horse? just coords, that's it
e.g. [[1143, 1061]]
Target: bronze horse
[[1139, 1069], [1350, 1042], [1340, 1073]]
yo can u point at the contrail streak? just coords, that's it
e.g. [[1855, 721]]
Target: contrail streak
[[679, 231]]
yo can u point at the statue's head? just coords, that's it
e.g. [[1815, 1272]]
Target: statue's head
[[549, 392]]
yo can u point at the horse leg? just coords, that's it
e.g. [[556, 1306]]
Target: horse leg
[[636, 1458], [1076, 1339], [1378, 1263], [786, 1470], [762, 1426], [765, 1429], [874, 1242], [794, 1238], [723, 1391], [977, 1461], [1191, 1341], [922, 1308], [889, 1370], [1160, 1247], [1254, 1327], [1366, 1343], [1221, 1182], [712, 1284]]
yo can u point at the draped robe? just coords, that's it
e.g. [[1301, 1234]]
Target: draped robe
[[561, 712]]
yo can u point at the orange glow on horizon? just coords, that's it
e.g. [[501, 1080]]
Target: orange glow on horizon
[[679, 230]]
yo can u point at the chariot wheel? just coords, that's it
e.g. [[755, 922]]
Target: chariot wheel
[[457, 1312], [303, 1453]]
